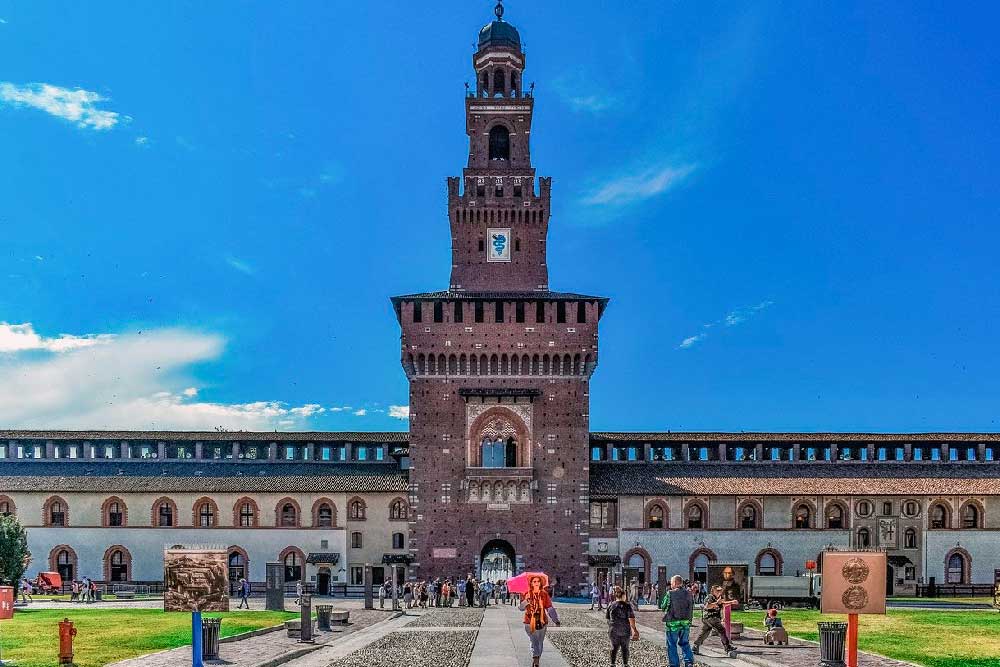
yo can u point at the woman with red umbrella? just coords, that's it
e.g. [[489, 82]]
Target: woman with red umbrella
[[537, 607]]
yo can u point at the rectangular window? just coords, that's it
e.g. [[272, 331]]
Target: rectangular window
[[517, 191], [519, 312], [918, 454], [498, 306], [361, 453], [438, 312], [561, 312], [886, 509], [326, 454], [596, 453], [380, 453], [498, 191], [935, 454], [418, 315], [540, 312], [479, 311], [952, 454], [355, 540], [3, 451], [517, 245], [357, 575], [900, 453], [458, 312], [581, 313], [603, 513], [482, 245], [397, 541], [481, 190], [289, 453]]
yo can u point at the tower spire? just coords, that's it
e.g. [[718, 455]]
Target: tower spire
[[498, 10]]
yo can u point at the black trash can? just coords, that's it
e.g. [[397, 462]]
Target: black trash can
[[98, 595], [323, 612], [210, 628], [832, 640]]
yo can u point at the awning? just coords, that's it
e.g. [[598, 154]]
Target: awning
[[604, 560], [899, 561], [397, 559], [323, 558]]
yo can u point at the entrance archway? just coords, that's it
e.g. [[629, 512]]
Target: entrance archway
[[496, 561], [323, 581]]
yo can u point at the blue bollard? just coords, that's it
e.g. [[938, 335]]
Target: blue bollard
[[196, 639]]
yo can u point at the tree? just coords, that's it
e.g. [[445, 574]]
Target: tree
[[14, 554]]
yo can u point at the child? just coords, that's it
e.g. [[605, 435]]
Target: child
[[621, 625], [775, 629]]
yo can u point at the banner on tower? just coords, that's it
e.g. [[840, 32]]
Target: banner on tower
[[498, 245]]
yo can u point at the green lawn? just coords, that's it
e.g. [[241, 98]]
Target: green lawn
[[31, 638], [929, 638]]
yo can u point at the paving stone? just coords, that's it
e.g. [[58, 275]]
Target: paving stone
[[454, 617]]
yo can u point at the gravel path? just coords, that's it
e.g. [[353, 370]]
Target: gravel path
[[431, 649], [454, 617], [586, 649], [581, 618]]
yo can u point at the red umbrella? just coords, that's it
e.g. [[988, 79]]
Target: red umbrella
[[522, 582]]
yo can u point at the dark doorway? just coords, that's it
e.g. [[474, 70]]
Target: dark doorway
[[496, 561], [323, 581], [890, 580], [378, 575]]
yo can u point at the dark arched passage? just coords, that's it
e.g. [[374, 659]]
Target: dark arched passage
[[496, 561]]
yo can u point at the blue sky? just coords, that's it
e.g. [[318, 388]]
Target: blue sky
[[793, 207]]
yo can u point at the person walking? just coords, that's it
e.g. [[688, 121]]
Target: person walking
[[711, 619], [244, 594], [679, 608], [299, 590], [26, 591], [633, 594], [408, 595], [595, 597], [537, 607], [381, 596], [621, 627]]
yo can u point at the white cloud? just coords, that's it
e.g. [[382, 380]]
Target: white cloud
[[360, 413], [592, 103], [3, 21], [341, 408], [691, 340], [142, 141], [239, 265], [128, 382], [78, 106], [23, 338], [635, 187], [308, 410], [732, 319], [399, 411]]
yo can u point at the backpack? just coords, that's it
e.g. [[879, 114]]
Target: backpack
[[618, 614]]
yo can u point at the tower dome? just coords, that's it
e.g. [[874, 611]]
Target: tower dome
[[499, 32]]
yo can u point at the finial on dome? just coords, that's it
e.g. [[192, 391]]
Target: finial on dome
[[498, 10]]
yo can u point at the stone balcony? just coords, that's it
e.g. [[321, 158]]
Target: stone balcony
[[498, 485]]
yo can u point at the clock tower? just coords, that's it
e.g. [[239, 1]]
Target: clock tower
[[499, 365]]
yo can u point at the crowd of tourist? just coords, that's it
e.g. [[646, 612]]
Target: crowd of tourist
[[447, 592]]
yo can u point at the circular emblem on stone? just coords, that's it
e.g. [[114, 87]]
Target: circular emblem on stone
[[855, 570], [855, 597], [559, 472]]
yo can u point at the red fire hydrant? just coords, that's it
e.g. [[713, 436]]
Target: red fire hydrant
[[66, 634]]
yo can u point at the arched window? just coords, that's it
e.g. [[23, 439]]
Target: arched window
[[7, 506], [398, 541], [767, 566], [237, 565], [57, 512], [206, 514], [864, 538], [356, 510], [398, 511], [864, 508], [247, 514], [163, 513], [655, 517], [324, 516], [910, 539], [938, 514], [695, 516], [970, 516], [835, 517], [748, 517], [293, 566], [803, 517], [118, 565], [114, 513], [62, 559], [289, 516], [699, 564], [499, 83], [499, 143], [956, 568]]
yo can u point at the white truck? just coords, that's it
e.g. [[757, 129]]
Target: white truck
[[779, 592]]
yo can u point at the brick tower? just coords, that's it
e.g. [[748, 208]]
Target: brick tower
[[499, 366]]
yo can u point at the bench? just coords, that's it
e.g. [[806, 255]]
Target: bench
[[341, 616], [125, 595]]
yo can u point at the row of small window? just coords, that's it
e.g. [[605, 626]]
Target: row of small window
[[499, 308], [114, 512], [784, 453], [398, 540], [187, 452], [604, 514], [498, 364], [499, 216]]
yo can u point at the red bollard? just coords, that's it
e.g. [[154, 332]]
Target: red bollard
[[66, 634]]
